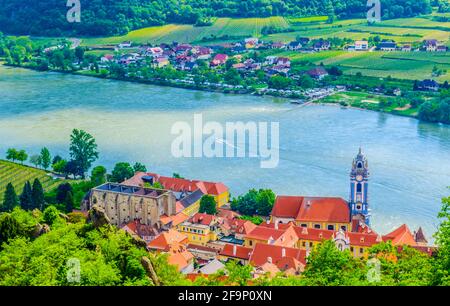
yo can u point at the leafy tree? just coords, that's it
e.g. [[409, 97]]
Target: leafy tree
[[208, 205], [83, 150], [62, 191], [121, 172], [176, 175], [79, 54], [74, 168], [255, 202], [328, 266], [45, 158], [56, 159], [232, 77], [60, 166], [138, 167], [279, 82], [442, 261], [36, 160], [305, 81], [9, 228], [18, 54], [238, 275], [37, 195], [22, 156], [26, 198], [403, 266], [98, 175], [264, 202], [51, 214], [69, 202], [11, 154], [10, 199], [334, 70]]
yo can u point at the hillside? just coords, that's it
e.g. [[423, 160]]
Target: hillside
[[107, 17], [18, 175]]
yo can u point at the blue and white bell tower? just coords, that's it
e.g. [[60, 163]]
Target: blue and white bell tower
[[359, 183]]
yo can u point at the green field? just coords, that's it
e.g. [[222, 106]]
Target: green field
[[18, 175], [190, 33], [405, 30], [312, 19], [402, 65]]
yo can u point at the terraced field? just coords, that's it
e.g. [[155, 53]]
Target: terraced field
[[189, 33], [18, 175], [402, 65]]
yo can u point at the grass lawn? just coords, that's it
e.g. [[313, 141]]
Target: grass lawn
[[369, 101], [18, 175]]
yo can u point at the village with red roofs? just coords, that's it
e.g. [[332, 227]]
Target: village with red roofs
[[169, 220]]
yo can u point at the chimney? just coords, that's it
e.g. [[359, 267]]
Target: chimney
[[234, 249], [276, 225], [267, 221], [283, 252], [269, 260]]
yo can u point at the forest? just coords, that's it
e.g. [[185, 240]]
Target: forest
[[117, 17]]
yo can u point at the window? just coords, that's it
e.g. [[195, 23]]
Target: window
[[358, 187], [250, 243], [330, 227], [344, 228], [317, 226], [351, 249], [361, 250], [304, 225], [304, 244]]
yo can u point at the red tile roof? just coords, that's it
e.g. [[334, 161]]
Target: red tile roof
[[362, 239], [312, 234], [202, 218], [401, 236], [236, 251], [263, 252], [312, 209], [286, 237], [167, 239], [179, 184], [264, 233]]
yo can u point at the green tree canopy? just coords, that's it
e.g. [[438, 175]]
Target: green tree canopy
[[98, 175], [10, 199], [208, 205], [37, 195], [121, 172], [45, 158], [26, 198], [83, 150]]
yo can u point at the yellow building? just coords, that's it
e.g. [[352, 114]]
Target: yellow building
[[199, 234]]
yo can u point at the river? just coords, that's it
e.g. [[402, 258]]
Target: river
[[409, 161]]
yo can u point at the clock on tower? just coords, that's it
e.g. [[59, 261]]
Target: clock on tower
[[359, 181]]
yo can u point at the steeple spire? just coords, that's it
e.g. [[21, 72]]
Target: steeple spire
[[359, 182]]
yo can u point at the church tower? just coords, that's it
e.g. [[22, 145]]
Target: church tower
[[359, 181]]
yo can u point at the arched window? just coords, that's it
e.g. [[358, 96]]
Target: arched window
[[360, 165]]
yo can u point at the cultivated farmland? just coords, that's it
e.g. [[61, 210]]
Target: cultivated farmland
[[18, 175], [190, 33]]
